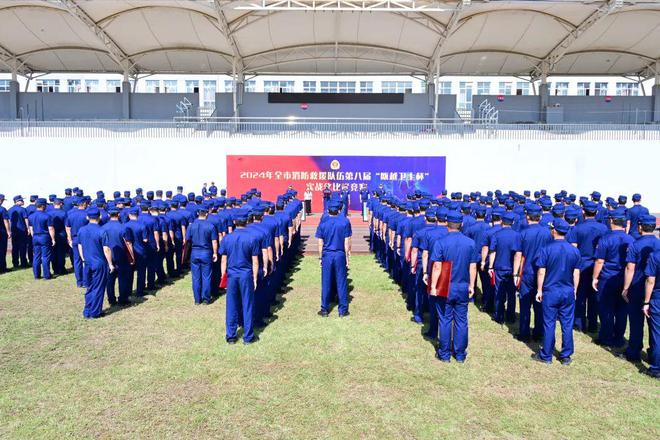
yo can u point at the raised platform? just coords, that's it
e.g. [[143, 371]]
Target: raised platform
[[360, 244]]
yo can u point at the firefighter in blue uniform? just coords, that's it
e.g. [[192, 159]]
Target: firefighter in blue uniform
[[76, 218], [240, 260], [585, 237], [118, 240], [140, 249], [203, 237], [19, 233], [43, 240], [334, 257], [452, 310], [5, 235], [633, 215], [61, 248], [559, 272], [651, 309], [96, 262], [487, 281], [633, 286], [533, 238], [608, 281], [505, 253]]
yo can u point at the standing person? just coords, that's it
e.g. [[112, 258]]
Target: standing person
[[505, 253], [451, 307], [651, 309], [327, 193], [19, 233], [334, 236], [633, 285], [240, 260], [118, 241], [96, 262], [5, 235], [608, 282], [61, 248], [585, 236], [203, 238], [534, 238], [558, 277], [76, 219], [308, 201], [43, 240], [633, 215], [140, 249], [153, 243]]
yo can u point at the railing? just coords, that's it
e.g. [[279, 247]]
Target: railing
[[326, 128]]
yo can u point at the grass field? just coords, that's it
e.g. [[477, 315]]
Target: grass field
[[161, 369]]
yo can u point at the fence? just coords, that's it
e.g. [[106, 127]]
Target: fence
[[296, 128]]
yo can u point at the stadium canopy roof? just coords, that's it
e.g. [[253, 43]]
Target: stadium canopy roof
[[527, 38]]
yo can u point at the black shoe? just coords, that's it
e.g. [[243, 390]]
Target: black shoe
[[231, 341], [654, 374], [342, 315], [206, 302], [412, 319], [535, 357], [251, 341], [437, 356], [322, 313], [537, 338], [124, 303], [523, 338], [566, 360], [428, 336]]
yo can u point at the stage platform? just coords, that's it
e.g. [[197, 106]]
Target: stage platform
[[360, 244]]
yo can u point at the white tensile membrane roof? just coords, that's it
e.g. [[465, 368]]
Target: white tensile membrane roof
[[463, 37]]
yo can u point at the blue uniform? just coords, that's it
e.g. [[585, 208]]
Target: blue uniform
[[586, 236], [534, 238], [239, 247], [633, 215], [488, 288], [96, 269], [140, 252], [559, 259], [613, 310], [638, 253], [115, 236], [75, 220], [333, 232], [653, 270], [505, 243], [19, 236], [453, 310], [61, 245], [201, 235], [151, 225], [42, 244], [4, 239]]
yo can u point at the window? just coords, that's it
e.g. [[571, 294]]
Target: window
[[191, 85], [73, 85], [251, 86], [112, 84], [464, 95], [600, 89], [170, 86], [337, 86], [561, 89], [522, 88], [505, 88], [92, 85], [627, 89], [278, 86], [483, 88], [209, 93], [396, 86], [229, 86], [152, 86], [309, 86], [48, 85], [584, 88], [4, 85], [366, 86], [444, 88]]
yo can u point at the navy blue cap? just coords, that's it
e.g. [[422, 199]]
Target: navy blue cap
[[560, 226], [113, 211], [623, 200], [647, 220], [533, 209], [134, 210], [33, 198], [454, 217], [481, 210], [636, 197], [441, 214], [333, 205], [99, 194], [138, 190], [2, 196], [179, 188], [595, 195], [202, 210], [590, 207], [58, 200], [508, 217], [572, 214], [242, 215], [93, 212], [616, 214], [127, 193], [116, 194], [558, 209], [159, 192], [150, 193], [168, 193], [41, 202]]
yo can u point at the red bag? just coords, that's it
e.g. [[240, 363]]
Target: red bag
[[223, 281], [492, 279], [408, 254], [444, 281], [522, 268], [185, 255], [129, 255]]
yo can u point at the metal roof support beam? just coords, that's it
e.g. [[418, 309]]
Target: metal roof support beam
[[111, 48], [340, 5], [450, 27], [229, 35], [557, 53], [11, 60]]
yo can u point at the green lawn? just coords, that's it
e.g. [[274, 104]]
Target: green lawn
[[161, 369]]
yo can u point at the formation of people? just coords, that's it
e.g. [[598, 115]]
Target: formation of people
[[587, 263], [132, 245]]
